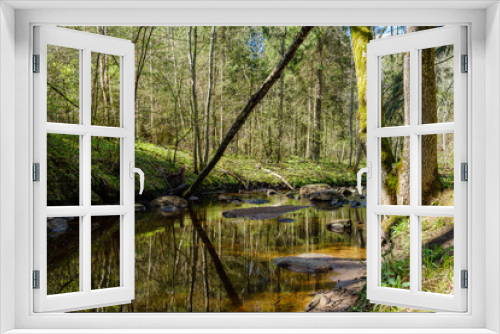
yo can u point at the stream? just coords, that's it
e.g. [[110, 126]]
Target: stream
[[195, 260]]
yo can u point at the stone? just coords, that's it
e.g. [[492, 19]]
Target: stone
[[337, 228], [57, 225], [193, 198], [169, 200], [228, 197], [290, 195], [325, 195], [286, 220], [139, 207], [344, 191], [313, 188], [256, 201], [271, 192], [314, 263], [168, 209], [264, 212]]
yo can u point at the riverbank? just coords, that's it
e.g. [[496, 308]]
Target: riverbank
[[166, 169]]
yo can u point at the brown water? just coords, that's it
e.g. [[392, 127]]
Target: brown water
[[195, 260]]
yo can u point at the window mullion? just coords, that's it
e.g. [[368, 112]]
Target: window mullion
[[414, 169]]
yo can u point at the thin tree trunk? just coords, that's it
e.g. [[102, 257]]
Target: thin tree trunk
[[318, 92], [194, 98], [280, 116], [351, 113], [209, 95], [250, 106]]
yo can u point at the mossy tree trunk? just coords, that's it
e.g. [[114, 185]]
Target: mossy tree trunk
[[361, 36]]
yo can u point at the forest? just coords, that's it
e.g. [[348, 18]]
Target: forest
[[255, 111]]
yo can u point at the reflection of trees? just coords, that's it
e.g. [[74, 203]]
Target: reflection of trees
[[201, 262]]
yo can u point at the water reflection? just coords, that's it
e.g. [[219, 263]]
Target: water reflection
[[195, 260]]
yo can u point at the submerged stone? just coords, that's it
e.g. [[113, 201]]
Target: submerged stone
[[169, 200], [313, 263], [286, 220], [265, 212], [256, 201]]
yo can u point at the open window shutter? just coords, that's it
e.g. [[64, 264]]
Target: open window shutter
[[401, 277], [81, 285]]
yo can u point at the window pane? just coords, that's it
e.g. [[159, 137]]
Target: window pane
[[63, 255], [105, 171], [63, 169], [437, 254], [438, 170], [395, 171], [395, 78], [63, 85], [437, 84], [105, 89], [395, 252], [105, 252]]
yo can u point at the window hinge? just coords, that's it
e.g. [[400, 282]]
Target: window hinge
[[465, 64], [36, 279], [36, 172], [464, 173], [464, 279], [36, 63]]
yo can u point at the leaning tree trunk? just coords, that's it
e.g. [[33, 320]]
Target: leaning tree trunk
[[249, 107], [318, 95]]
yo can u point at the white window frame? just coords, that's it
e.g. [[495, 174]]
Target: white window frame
[[85, 43], [484, 101], [413, 44]]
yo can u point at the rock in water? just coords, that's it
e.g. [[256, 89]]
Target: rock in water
[[313, 188], [265, 212], [57, 225], [290, 195], [139, 207], [193, 198], [272, 192], [228, 197], [313, 263], [286, 220], [256, 201], [168, 209], [324, 195], [169, 200]]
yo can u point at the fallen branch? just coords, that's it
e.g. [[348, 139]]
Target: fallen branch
[[278, 176], [236, 176]]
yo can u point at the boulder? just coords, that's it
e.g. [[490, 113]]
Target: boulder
[[286, 220], [324, 195], [57, 225], [339, 225], [169, 200], [139, 207], [313, 188], [168, 209], [256, 201], [290, 195], [271, 192], [344, 191], [313, 263], [228, 197], [264, 212]]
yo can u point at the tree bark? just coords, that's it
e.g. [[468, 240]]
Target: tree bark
[[249, 107], [209, 94], [194, 97], [280, 116], [318, 95]]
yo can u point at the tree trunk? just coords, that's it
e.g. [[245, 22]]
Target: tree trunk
[[431, 182], [194, 98], [250, 106], [280, 116], [318, 95], [209, 94], [351, 112]]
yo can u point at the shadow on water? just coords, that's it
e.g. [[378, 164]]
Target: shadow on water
[[195, 260]]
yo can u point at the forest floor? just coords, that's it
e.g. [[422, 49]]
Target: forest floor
[[235, 172]]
